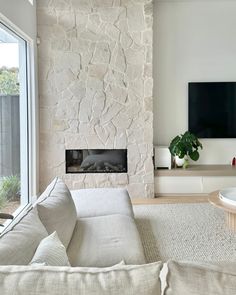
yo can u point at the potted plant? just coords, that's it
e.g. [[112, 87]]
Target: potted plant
[[184, 146]]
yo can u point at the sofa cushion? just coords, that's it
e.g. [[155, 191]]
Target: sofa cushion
[[57, 210], [40, 280], [18, 244], [200, 279], [50, 251], [104, 241], [102, 201]]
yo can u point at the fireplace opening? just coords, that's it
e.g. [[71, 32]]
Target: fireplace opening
[[96, 161]]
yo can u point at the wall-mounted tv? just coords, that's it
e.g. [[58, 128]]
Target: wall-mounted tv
[[212, 109]]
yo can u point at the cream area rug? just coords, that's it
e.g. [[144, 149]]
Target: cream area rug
[[185, 232]]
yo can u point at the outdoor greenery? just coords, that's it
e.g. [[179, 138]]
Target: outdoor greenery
[[9, 81], [9, 189], [186, 144], [3, 201]]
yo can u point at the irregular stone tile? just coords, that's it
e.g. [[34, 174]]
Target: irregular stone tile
[[46, 17], [120, 140], [60, 44], [78, 89], [102, 3], [118, 60], [102, 53], [113, 32], [45, 119], [147, 37], [81, 19], [134, 72], [94, 22], [148, 54], [148, 86], [67, 60], [112, 111], [63, 79], [148, 8], [43, 4], [85, 110], [59, 4], [82, 5], [98, 104], [148, 103], [147, 73], [134, 57], [122, 121], [59, 125], [66, 19], [135, 15], [149, 22], [125, 40], [119, 94], [101, 133], [110, 14], [97, 71]]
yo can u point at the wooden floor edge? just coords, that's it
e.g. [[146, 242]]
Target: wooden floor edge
[[170, 200]]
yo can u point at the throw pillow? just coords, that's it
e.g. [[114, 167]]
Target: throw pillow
[[50, 251], [200, 279], [18, 244], [40, 280], [57, 210]]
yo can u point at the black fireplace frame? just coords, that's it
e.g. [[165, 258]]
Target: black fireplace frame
[[68, 171]]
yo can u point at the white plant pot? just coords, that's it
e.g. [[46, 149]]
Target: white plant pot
[[179, 162]]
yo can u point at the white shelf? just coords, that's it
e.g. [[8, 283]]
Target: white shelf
[[196, 179]]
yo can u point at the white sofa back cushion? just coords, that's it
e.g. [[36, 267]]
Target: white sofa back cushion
[[57, 210], [18, 244], [104, 241], [200, 278], [41, 280], [51, 252]]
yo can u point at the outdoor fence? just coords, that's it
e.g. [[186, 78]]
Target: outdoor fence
[[9, 135]]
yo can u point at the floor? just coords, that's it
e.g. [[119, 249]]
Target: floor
[[170, 200]]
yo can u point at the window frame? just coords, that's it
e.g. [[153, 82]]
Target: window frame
[[31, 116]]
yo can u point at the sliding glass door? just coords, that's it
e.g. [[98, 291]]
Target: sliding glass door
[[14, 135]]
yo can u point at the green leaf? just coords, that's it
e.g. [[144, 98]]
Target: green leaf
[[194, 155]]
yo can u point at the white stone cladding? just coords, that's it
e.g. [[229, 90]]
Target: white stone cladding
[[95, 88]]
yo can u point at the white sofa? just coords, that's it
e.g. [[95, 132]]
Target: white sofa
[[98, 231]]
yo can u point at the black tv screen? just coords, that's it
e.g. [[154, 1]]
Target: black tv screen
[[212, 109]]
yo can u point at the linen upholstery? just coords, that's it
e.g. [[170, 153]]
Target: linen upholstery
[[200, 279], [104, 241], [51, 252], [18, 244], [57, 210], [41, 280], [102, 201]]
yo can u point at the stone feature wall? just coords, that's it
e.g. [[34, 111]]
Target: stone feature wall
[[95, 87]]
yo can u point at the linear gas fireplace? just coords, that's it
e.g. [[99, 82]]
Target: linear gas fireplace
[[96, 161]]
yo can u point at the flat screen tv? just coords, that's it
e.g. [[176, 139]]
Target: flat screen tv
[[212, 109]]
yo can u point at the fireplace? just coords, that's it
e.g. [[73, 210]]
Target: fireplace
[[96, 161]]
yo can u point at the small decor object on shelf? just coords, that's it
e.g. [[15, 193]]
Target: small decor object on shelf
[[233, 162], [184, 146]]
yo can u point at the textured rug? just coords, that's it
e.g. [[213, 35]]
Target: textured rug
[[185, 232]]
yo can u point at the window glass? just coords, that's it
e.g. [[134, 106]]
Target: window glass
[[13, 122]]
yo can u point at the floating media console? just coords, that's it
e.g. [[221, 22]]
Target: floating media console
[[96, 161]]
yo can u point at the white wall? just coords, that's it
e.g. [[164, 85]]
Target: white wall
[[193, 41], [21, 13]]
